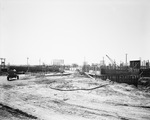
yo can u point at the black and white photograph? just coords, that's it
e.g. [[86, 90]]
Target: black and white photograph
[[74, 60]]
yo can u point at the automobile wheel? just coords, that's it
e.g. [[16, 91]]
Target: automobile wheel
[[8, 78], [17, 77]]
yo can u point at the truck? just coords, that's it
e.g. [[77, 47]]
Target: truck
[[12, 74]]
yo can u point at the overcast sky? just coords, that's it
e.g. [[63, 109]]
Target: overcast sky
[[74, 30]]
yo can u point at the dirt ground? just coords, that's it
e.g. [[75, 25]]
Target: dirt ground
[[7, 113], [72, 97]]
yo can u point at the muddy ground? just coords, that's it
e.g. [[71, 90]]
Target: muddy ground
[[8, 113], [71, 97]]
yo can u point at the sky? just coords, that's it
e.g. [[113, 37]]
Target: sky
[[74, 30]]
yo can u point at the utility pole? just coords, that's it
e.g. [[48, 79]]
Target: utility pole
[[126, 59], [84, 65], [39, 61], [103, 61], [27, 64]]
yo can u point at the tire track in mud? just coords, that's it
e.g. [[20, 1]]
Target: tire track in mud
[[15, 112], [140, 106], [89, 112], [62, 107]]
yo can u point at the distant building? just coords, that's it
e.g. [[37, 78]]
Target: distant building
[[136, 64], [58, 62]]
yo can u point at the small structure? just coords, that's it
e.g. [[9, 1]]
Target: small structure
[[3, 67]]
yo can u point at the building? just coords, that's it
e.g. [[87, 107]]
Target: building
[[58, 62]]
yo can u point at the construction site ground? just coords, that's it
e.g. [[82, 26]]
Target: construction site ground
[[71, 97]]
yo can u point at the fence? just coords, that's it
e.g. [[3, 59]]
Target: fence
[[129, 79]]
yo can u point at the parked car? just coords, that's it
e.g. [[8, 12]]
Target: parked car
[[12, 74]]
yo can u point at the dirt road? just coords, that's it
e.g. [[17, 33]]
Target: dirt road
[[8, 113], [75, 97]]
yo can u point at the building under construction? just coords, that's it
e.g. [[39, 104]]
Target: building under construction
[[122, 74]]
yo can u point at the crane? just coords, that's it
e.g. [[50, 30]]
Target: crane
[[113, 62]]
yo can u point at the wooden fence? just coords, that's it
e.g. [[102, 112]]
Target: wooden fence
[[129, 79]]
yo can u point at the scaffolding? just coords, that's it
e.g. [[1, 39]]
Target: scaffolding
[[2, 65]]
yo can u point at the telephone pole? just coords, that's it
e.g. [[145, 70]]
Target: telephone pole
[[27, 64], [126, 59], [39, 61]]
